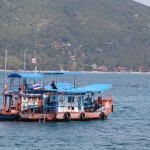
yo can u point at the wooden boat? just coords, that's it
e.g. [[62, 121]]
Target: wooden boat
[[93, 101], [64, 103], [84, 103], [8, 111], [11, 95], [36, 106]]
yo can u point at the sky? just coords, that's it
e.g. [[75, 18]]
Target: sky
[[146, 2]]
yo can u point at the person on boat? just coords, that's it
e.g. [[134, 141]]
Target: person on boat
[[99, 100], [53, 85], [25, 84], [97, 103]]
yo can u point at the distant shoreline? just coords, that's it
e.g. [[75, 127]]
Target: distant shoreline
[[123, 72]]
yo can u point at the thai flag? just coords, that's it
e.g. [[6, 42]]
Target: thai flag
[[72, 57], [36, 86], [33, 60]]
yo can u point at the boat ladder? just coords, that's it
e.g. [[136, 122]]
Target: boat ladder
[[42, 118]]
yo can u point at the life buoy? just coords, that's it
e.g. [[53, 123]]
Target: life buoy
[[102, 115], [82, 116], [67, 115]]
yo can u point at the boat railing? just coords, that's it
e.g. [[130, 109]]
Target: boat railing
[[44, 109], [30, 95], [35, 109]]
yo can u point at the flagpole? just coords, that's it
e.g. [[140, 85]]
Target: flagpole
[[74, 63], [24, 67], [5, 65], [35, 44], [35, 63], [35, 53]]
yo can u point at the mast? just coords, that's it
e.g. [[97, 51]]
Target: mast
[[24, 67], [5, 66], [35, 51], [35, 62], [74, 63], [74, 60], [5, 84]]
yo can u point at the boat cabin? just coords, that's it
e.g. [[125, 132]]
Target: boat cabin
[[87, 98], [29, 81]]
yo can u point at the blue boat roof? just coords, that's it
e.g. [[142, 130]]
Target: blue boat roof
[[62, 73], [88, 88], [97, 87], [25, 75]]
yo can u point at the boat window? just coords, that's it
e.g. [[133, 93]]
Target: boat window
[[70, 99], [72, 108]]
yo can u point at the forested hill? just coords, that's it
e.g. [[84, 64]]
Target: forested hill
[[107, 33]]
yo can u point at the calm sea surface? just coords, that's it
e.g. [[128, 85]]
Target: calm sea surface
[[127, 128]]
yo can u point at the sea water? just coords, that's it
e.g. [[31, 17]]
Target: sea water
[[127, 128]]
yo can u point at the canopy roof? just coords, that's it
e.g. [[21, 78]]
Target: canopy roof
[[62, 73], [88, 89], [96, 87], [25, 75]]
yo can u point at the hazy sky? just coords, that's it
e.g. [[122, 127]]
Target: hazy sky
[[146, 2]]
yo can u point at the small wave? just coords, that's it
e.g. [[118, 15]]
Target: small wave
[[136, 85]]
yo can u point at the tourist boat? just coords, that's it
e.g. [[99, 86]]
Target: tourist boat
[[65, 103], [38, 105], [8, 112], [11, 94], [75, 102], [84, 103]]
